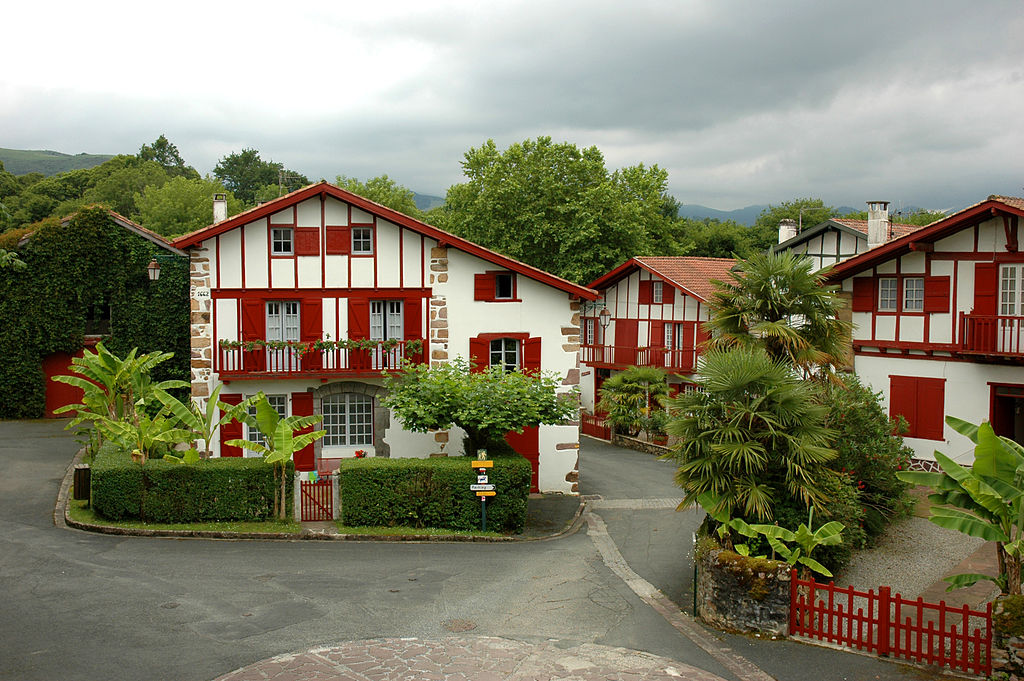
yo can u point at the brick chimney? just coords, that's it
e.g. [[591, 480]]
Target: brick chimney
[[220, 208], [787, 229], [878, 223]]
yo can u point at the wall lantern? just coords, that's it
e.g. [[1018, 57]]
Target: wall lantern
[[605, 318], [154, 269]]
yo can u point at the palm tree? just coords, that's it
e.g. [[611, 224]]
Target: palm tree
[[776, 302], [751, 435], [630, 396]]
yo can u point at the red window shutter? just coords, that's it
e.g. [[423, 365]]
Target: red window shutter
[[527, 445], [479, 354], [311, 328], [302, 405], [657, 339], [339, 240], [931, 406], [644, 292], [688, 353], [986, 284], [254, 327], [863, 294], [668, 294], [483, 286], [307, 241], [625, 341], [701, 336], [531, 354], [413, 310], [903, 401], [232, 430], [936, 294], [358, 318]]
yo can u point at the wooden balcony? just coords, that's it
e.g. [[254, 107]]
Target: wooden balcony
[[617, 356], [266, 362], [993, 336]]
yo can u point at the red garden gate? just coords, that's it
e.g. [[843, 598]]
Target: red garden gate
[[886, 624], [317, 500], [595, 426]]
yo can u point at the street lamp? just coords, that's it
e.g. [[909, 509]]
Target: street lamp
[[605, 318], [153, 268]]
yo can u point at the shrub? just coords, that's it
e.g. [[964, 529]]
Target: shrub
[[164, 492], [432, 493], [868, 452]]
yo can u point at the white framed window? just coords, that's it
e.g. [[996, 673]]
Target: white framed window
[[1009, 290], [888, 294], [281, 242], [588, 330], [657, 293], [348, 420], [505, 353], [670, 333], [362, 240], [252, 433], [386, 320], [913, 294], [282, 326], [504, 286]]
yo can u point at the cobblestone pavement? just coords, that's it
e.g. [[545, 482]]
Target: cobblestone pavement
[[467, 659]]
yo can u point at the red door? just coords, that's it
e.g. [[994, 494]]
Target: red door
[[59, 394], [625, 341], [527, 444]]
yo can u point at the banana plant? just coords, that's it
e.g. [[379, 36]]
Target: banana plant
[[806, 541], [203, 421], [719, 512], [985, 501], [144, 433], [280, 441]]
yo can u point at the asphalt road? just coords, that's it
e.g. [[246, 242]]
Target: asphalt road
[[82, 606]]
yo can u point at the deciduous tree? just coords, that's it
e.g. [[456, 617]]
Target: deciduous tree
[[385, 191], [244, 173], [181, 205]]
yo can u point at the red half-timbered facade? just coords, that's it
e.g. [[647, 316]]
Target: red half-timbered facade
[[310, 297], [938, 324], [651, 312]]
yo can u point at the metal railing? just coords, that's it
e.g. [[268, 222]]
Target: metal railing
[[289, 361], [681, 359]]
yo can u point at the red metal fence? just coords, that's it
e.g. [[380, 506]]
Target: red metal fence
[[595, 426], [317, 500], [886, 624], [681, 359]]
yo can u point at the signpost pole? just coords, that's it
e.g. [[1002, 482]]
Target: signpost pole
[[483, 514]]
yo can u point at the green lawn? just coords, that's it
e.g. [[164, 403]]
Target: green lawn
[[78, 511]]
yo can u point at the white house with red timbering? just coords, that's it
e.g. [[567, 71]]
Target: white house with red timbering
[[310, 297], [839, 239], [939, 324], [650, 312]]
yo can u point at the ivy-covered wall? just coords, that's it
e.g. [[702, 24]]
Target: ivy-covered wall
[[76, 267]]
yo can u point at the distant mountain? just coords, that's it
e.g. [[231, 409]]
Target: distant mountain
[[744, 216], [426, 201], [22, 161]]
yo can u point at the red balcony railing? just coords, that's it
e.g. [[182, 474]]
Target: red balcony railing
[[239, 361], [992, 335], [681, 359]]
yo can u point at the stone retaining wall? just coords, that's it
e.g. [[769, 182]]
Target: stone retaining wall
[[743, 594], [627, 442], [1008, 638]]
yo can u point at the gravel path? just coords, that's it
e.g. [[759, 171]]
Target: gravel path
[[911, 555]]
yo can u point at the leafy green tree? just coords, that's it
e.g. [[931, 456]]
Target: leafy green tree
[[806, 212], [385, 191], [752, 435], [556, 207], [244, 174], [10, 260], [486, 404], [776, 302], [181, 205], [712, 238], [919, 216], [280, 441], [166, 154]]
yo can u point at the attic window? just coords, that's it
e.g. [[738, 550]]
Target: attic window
[[281, 241], [504, 286], [656, 292]]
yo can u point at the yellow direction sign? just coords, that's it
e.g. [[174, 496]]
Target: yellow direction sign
[[486, 494], [486, 463]]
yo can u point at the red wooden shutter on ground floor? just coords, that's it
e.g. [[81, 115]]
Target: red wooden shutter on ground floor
[[479, 354], [531, 354], [302, 405], [232, 430], [921, 401]]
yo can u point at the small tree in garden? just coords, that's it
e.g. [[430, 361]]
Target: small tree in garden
[[486, 404], [753, 435], [203, 422], [280, 441], [985, 500], [630, 397]]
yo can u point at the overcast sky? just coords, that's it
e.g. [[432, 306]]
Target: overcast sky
[[916, 102]]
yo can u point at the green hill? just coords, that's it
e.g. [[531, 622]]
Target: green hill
[[24, 161]]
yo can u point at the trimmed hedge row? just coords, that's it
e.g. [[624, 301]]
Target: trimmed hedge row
[[164, 492], [432, 493]]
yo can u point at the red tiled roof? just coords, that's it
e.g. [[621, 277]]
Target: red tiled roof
[[972, 215], [897, 229], [692, 275]]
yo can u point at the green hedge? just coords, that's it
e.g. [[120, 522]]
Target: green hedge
[[164, 492], [432, 493]]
